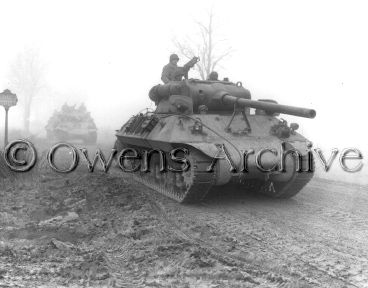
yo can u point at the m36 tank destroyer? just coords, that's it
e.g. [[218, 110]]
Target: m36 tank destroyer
[[221, 136], [70, 124]]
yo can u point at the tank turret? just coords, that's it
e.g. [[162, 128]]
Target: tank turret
[[221, 95]]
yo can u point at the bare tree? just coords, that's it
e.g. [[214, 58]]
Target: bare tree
[[26, 78], [207, 47]]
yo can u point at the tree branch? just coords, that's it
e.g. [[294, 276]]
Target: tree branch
[[206, 47]]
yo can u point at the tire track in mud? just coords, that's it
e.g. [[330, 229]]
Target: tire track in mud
[[115, 262], [312, 249], [308, 255], [260, 235], [118, 277], [319, 212], [343, 197], [342, 217], [239, 257], [310, 239], [218, 254]]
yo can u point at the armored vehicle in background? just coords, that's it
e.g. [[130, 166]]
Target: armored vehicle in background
[[217, 119], [72, 124]]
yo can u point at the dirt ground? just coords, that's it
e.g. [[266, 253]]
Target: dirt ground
[[105, 230]]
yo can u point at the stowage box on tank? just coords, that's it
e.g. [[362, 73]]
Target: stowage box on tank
[[218, 118]]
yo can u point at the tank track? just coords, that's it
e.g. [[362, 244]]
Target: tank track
[[198, 182], [185, 187], [193, 185]]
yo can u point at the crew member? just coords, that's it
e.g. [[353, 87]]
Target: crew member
[[169, 70], [172, 72], [213, 76]]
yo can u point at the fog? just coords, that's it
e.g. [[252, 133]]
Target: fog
[[108, 54]]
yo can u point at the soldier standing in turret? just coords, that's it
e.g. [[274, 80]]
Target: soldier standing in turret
[[172, 72], [169, 70], [213, 76]]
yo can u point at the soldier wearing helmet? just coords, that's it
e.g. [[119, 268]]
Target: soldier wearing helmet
[[169, 70], [172, 72], [213, 76]]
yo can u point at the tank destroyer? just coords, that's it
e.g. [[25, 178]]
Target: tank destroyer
[[70, 124], [227, 138]]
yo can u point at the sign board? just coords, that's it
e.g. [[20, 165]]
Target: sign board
[[8, 99]]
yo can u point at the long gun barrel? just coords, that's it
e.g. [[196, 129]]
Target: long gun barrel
[[271, 107]]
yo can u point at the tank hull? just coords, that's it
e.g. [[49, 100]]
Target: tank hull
[[214, 139]]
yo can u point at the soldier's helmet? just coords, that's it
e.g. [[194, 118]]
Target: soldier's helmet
[[174, 57], [213, 76]]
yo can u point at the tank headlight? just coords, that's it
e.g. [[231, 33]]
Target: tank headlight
[[197, 127]]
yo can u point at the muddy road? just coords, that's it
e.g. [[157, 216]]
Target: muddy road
[[319, 237], [106, 230]]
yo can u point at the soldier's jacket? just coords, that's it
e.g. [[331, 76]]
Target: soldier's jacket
[[171, 72]]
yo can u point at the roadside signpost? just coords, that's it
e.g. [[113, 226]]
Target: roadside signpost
[[7, 99]]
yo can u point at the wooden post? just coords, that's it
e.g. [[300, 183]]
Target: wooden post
[[6, 127]]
